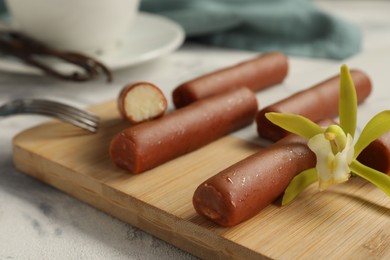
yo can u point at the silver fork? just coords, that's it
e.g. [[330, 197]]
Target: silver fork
[[67, 113]]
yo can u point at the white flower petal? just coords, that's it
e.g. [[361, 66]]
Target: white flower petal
[[323, 151], [343, 159], [320, 145], [350, 147], [331, 168]]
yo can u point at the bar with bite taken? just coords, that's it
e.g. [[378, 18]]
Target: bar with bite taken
[[141, 101]]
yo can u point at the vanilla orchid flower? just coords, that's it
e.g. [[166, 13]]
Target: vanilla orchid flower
[[334, 147], [333, 159]]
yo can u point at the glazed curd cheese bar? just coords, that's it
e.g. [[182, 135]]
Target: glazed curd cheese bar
[[150, 144], [243, 189], [316, 103], [256, 74]]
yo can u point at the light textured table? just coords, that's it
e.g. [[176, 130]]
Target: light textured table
[[39, 222]]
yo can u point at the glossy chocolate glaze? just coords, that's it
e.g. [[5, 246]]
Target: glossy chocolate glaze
[[242, 190], [147, 145], [316, 103], [256, 74]]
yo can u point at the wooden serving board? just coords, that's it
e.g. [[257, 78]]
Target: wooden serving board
[[349, 221]]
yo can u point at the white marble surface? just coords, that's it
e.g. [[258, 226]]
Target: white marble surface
[[40, 222]]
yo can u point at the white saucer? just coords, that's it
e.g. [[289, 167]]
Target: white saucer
[[151, 37]]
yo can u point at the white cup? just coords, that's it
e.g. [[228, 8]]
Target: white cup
[[93, 27]]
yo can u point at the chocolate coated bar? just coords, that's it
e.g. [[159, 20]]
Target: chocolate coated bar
[[242, 190], [147, 145], [256, 74], [316, 103]]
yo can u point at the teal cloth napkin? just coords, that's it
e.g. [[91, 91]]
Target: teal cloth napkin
[[296, 27]]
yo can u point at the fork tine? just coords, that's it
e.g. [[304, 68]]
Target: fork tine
[[56, 104], [64, 110], [75, 120], [73, 115]]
